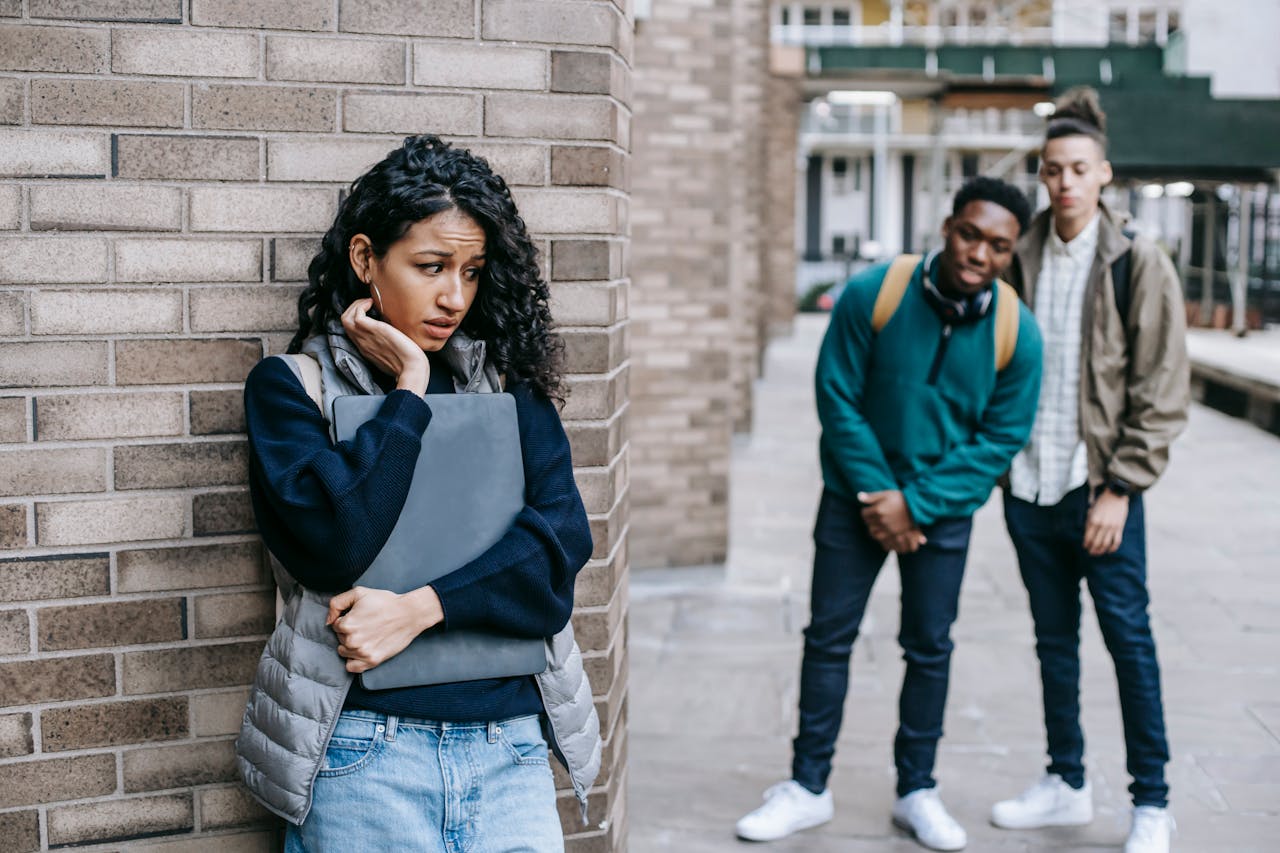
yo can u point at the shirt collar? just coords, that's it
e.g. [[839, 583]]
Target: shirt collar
[[1079, 248]]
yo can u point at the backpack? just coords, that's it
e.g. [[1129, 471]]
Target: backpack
[[894, 286]]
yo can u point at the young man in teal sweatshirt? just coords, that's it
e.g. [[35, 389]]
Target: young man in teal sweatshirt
[[919, 420]]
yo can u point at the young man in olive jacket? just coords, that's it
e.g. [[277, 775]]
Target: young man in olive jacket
[[922, 406], [1114, 396]]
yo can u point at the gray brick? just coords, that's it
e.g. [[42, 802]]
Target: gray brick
[[112, 520], [13, 527], [408, 17], [113, 723], [11, 101], [170, 466], [15, 736], [188, 260], [102, 207], [262, 209], [44, 364], [136, 11], [12, 314], [184, 53], [580, 260], [10, 9], [187, 567], [103, 312], [28, 682], [80, 416], [187, 158], [50, 471], [551, 116], [37, 782], [115, 623], [236, 614], [553, 21], [549, 211], [21, 831], [159, 767], [386, 113], [479, 67], [290, 257], [334, 159], [42, 153], [243, 309], [263, 107], [15, 632], [185, 361], [120, 819], [517, 164], [582, 72], [13, 422], [221, 808], [72, 50], [263, 14], [313, 60], [190, 668], [37, 578], [107, 102], [222, 512], [218, 713], [217, 412], [57, 260], [588, 166]]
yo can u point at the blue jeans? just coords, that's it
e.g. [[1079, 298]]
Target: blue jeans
[[402, 784], [1049, 541], [846, 562]]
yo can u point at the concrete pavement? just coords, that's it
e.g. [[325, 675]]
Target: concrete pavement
[[715, 652]]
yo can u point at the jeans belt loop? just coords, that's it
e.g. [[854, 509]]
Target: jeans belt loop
[[494, 728], [392, 723]]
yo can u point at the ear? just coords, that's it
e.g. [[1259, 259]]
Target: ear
[[1106, 172], [946, 227], [360, 254]]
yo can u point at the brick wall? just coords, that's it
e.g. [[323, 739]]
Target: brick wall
[[699, 214], [165, 170]]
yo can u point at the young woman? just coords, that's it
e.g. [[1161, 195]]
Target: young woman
[[427, 282]]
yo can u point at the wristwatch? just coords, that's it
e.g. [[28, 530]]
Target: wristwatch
[[1119, 488]]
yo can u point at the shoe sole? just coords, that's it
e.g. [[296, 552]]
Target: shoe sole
[[1044, 824], [906, 827], [777, 837]]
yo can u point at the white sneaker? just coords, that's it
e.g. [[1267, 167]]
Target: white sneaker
[[1152, 827], [788, 807], [1049, 802], [923, 815]]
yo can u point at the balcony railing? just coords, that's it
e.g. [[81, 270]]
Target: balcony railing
[[827, 35], [970, 123]]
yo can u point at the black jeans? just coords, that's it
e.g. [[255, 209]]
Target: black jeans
[[846, 562], [1051, 555]]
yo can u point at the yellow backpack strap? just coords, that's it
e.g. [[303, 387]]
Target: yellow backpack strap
[[308, 370], [1006, 324], [891, 289]]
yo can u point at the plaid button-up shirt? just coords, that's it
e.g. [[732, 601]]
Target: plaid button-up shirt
[[1055, 462]]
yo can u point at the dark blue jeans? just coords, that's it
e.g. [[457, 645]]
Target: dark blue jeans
[[846, 562], [1049, 540]]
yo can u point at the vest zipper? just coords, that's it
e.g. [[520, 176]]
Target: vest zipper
[[938, 356]]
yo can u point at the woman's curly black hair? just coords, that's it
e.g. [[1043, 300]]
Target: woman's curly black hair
[[419, 179]]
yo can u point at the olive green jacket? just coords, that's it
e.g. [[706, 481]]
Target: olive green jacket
[[1135, 381]]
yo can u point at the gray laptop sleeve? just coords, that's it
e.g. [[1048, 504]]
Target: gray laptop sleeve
[[468, 487]]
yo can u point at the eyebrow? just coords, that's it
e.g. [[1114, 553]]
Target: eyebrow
[[438, 253]]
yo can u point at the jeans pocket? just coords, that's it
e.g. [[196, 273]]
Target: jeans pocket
[[354, 744], [523, 739]]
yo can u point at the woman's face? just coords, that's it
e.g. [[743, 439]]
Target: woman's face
[[428, 279]]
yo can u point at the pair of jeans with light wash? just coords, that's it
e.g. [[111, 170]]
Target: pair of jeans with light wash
[[846, 562], [401, 784], [1050, 545]]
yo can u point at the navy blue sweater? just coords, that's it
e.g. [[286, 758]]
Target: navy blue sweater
[[326, 510]]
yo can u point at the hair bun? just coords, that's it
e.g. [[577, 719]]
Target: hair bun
[[1080, 103]]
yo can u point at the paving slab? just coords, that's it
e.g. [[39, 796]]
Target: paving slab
[[715, 657]]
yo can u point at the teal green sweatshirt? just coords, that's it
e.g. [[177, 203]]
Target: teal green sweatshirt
[[907, 408]]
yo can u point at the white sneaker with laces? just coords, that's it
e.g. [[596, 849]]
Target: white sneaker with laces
[[923, 815], [788, 807], [1049, 802], [1152, 827]]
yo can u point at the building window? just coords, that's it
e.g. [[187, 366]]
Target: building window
[[1146, 26], [840, 171], [1174, 23], [841, 17], [786, 16], [812, 16], [857, 175], [837, 244], [968, 166]]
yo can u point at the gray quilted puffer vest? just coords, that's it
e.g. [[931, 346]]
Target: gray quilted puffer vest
[[301, 682]]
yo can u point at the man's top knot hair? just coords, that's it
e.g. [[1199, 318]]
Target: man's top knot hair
[[1077, 112]]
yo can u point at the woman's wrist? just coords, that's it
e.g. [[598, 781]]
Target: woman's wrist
[[415, 378], [425, 606]]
